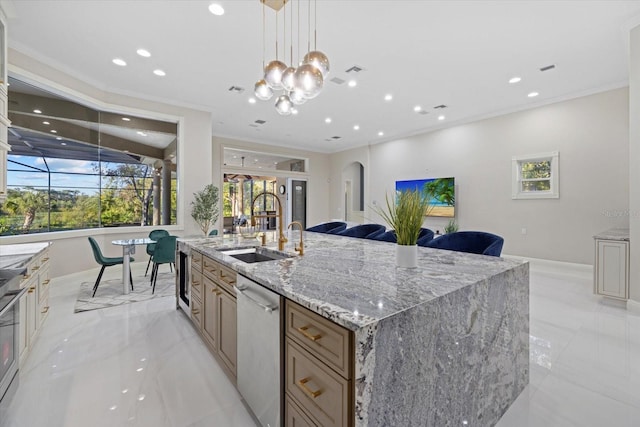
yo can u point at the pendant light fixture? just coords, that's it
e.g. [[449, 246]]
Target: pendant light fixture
[[298, 83]]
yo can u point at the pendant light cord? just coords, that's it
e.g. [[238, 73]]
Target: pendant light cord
[[264, 48], [315, 24]]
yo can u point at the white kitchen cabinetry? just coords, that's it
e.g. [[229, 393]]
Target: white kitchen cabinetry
[[611, 270]]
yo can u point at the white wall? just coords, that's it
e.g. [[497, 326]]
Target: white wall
[[317, 175], [634, 161], [592, 136], [70, 251]]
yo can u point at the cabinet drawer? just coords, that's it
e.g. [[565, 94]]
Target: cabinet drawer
[[227, 279], [210, 268], [196, 312], [324, 339], [196, 283], [196, 260], [294, 416], [44, 305], [44, 284], [324, 395]]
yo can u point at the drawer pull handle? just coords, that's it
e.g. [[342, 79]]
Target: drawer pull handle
[[26, 276], [303, 331], [45, 259], [32, 289], [303, 384], [216, 291], [194, 283], [195, 311], [46, 282], [45, 310], [36, 267]]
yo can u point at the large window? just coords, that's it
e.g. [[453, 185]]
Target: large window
[[72, 167]]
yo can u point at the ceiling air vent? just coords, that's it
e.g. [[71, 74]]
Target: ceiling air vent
[[236, 89], [337, 80], [336, 137], [548, 67], [439, 107], [260, 122], [354, 69]]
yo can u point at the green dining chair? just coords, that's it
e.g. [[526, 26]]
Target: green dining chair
[[213, 232], [105, 262], [164, 253], [153, 235]]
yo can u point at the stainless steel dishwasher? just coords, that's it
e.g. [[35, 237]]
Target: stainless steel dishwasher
[[258, 365]]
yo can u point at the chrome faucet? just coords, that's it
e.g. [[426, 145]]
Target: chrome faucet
[[300, 247], [282, 239]]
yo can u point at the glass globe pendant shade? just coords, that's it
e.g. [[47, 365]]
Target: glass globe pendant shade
[[288, 79], [273, 74], [284, 105], [309, 80], [297, 97], [262, 90], [318, 60]]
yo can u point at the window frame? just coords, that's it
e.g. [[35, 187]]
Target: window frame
[[517, 179]]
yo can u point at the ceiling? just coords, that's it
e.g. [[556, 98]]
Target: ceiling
[[460, 54]]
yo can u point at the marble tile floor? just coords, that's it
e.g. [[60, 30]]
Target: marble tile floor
[[143, 364]]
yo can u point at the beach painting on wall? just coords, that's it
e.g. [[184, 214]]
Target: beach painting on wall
[[442, 191]]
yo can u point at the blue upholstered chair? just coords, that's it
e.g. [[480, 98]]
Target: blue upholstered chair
[[328, 227], [390, 236], [213, 232], [105, 262], [363, 231], [474, 242], [165, 253], [153, 235]]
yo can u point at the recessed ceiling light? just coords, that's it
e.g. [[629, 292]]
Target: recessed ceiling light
[[120, 62], [141, 133], [159, 72], [388, 97], [46, 123], [294, 111], [533, 94], [126, 119], [216, 9], [417, 108], [37, 111], [58, 138], [356, 127], [352, 83], [327, 120], [63, 143], [126, 151], [514, 80], [252, 100], [380, 133], [143, 52], [441, 117], [54, 131]]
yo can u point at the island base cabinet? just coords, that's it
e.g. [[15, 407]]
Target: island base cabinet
[[228, 326], [294, 416], [612, 269], [324, 394], [210, 314]]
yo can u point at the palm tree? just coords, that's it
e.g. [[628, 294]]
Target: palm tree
[[26, 202]]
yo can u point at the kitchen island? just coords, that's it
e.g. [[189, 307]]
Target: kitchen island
[[444, 344]]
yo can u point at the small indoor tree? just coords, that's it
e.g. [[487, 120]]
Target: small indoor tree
[[204, 207]]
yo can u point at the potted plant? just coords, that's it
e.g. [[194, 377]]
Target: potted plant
[[451, 227], [405, 216], [204, 207]]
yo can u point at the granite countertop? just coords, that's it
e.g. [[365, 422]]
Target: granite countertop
[[19, 255], [355, 282], [621, 234]]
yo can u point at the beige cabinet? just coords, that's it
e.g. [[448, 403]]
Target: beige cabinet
[[34, 304], [213, 309], [318, 370], [611, 272]]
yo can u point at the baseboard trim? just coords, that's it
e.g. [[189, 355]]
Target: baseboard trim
[[633, 307], [547, 264]]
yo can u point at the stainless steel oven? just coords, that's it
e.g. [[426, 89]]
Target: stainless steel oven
[[184, 291], [9, 323]]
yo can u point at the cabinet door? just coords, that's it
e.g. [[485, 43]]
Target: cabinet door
[[612, 274], [23, 338], [32, 309], [210, 312], [228, 330]]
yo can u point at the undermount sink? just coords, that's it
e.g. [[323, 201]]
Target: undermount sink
[[251, 255]]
